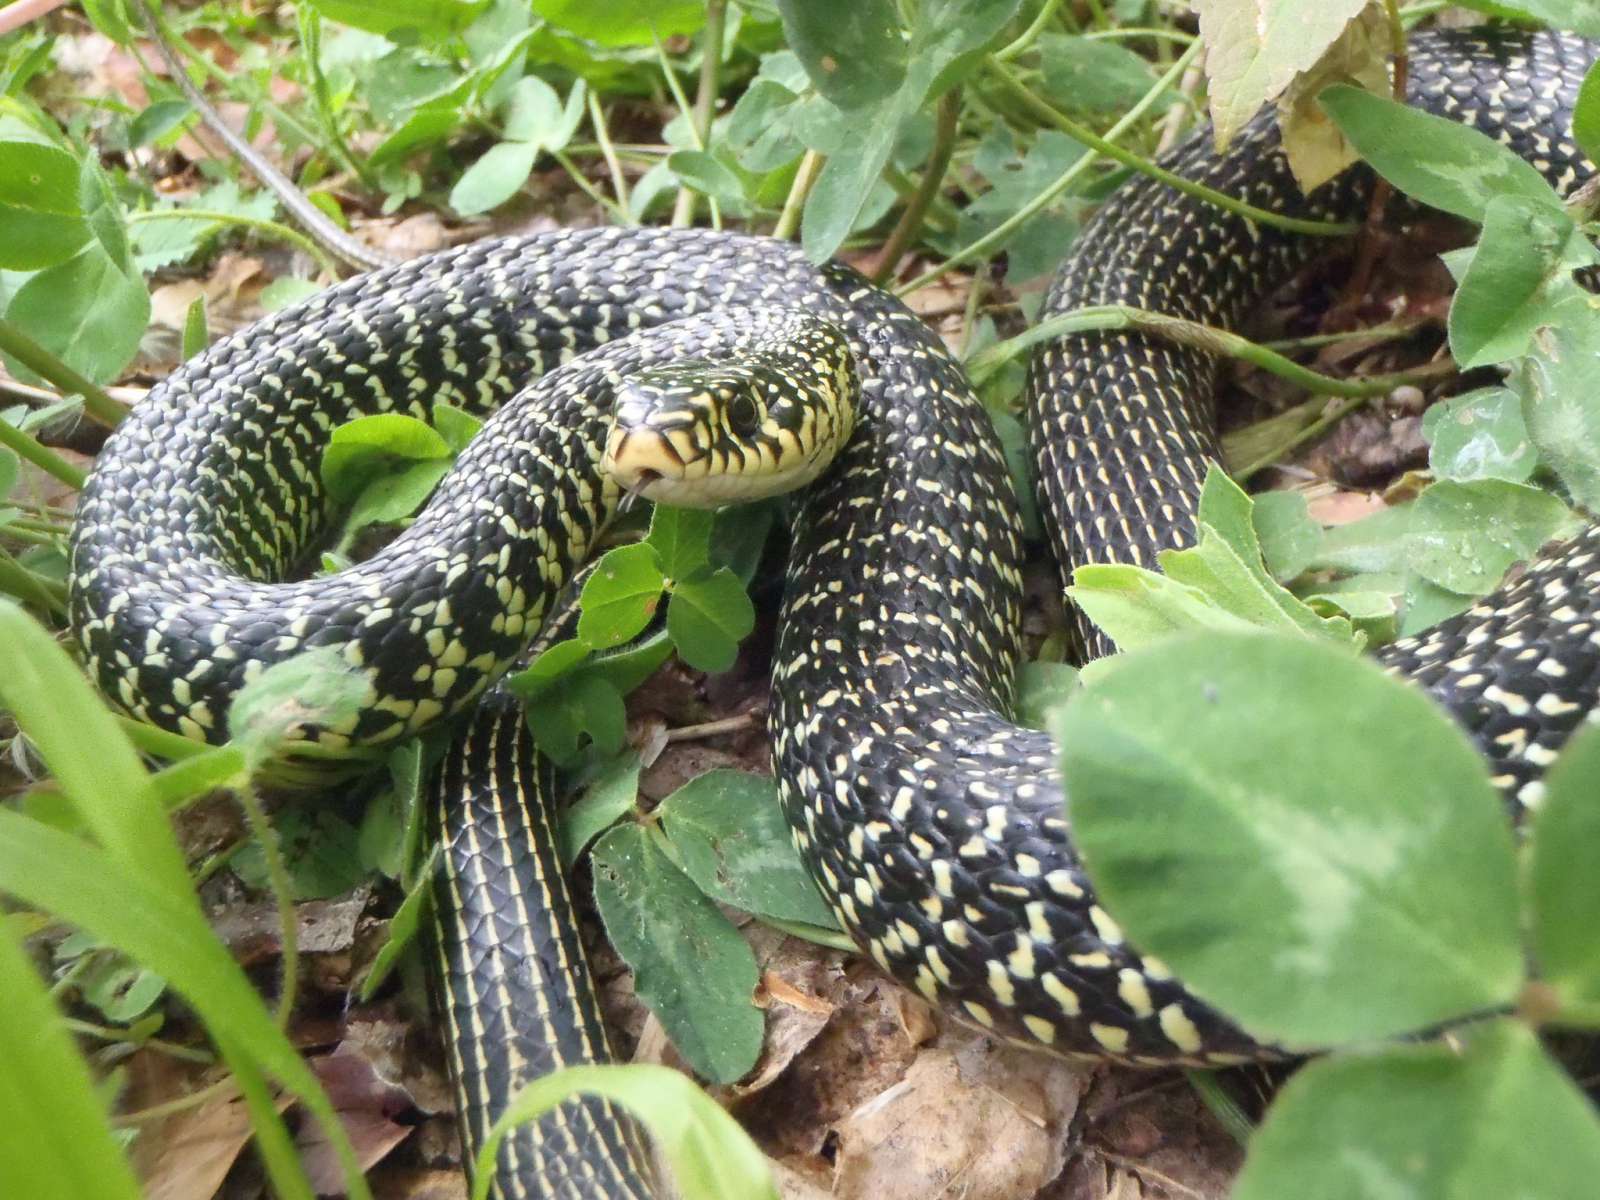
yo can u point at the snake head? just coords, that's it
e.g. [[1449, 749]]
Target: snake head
[[761, 408]]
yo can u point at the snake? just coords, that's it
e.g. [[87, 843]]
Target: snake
[[936, 828]]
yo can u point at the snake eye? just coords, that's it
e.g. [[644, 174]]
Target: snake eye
[[743, 416]]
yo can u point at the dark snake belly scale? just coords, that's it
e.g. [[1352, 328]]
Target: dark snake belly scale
[[932, 823]]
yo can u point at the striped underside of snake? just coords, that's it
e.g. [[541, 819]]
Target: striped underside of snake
[[932, 823]]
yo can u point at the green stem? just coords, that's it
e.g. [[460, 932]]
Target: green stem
[[26, 585], [159, 743], [1187, 333], [589, 189], [274, 228], [705, 97], [998, 235], [1374, 333], [278, 878], [311, 50], [794, 204], [1134, 33], [1199, 191], [69, 382], [602, 135], [39, 455], [1026, 38], [910, 223], [108, 1034]]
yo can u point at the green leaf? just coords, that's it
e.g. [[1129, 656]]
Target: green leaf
[[1136, 607], [1523, 262], [553, 663], [494, 178], [533, 113], [707, 617], [55, 1141], [1433, 1122], [286, 290], [711, 1157], [396, 496], [1253, 52], [621, 596], [10, 471], [1557, 385], [1042, 688], [1093, 76], [404, 928], [401, 20], [689, 963], [1580, 16], [708, 174], [41, 219], [1287, 535], [456, 426], [321, 852], [357, 449], [157, 121], [1479, 435], [682, 539], [731, 837], [623, 22], [121, 991], [316, 687], [1368, 878], [1565, 889], [195, 334], [87, 311], [1464, 536], [1586, 116], [609, 798], [86, 750], [852, 50], [1438, 161], [584, 703]]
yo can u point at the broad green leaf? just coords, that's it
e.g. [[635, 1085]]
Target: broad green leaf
[[707, 617], [1042, 688], [55, 1141], [682, 538], [1565, 890], [1438, 161], [1557, 385], [157, 121], [1136, 607], [357, 449], [554, 662], [708, 174], [10, 471], [533, 113], [41, 217], [316, 687], [395, 496], [608, 798], [1434, 1122], [284, 291], [581, 704], [87, 311], [1479, 435], [1287, 534], [1586, 115], [1086, 75], [1254, 49], [456, 426], [404, 20], [87, 752], [1580, 16], [623, 22], [321, 854], [731, 837], [1369, 878], [1465, 535], [711, 1157], [852, 50], [494, 178], [196, 336], [621, 596], [1523, 263], [690, 965]]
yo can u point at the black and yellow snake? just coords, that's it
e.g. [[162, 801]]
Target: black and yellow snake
[[932, 823]]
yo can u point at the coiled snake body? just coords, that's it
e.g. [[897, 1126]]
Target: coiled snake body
[[932, 823]]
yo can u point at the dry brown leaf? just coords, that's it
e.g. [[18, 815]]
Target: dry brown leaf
[[366, 1104], [1317, 151], [971, 1119], [194, 1150]]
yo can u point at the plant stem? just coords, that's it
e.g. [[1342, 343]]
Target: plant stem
[[107, 1033], [274, 228], [278, 877], [602, 135], [182, 1104], [705, 98], [1186, 333], [24, 584], [1221, 1104], [50, 368], [589, 189], [906, 229], [311, 50], [794, 204], [998, 235], [1082, 133], [41, 456], [1026, 38]]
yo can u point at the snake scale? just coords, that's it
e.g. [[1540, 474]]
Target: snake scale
[[933, 825]]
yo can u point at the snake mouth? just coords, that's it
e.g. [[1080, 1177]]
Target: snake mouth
[[642, 459]]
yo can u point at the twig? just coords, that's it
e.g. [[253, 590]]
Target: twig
[[910, 223]]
